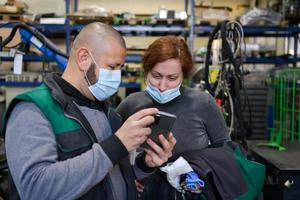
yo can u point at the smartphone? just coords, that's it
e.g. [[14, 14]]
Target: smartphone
[[163, 124]]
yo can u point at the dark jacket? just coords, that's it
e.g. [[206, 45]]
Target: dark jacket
[[221, 171], [217, 167]]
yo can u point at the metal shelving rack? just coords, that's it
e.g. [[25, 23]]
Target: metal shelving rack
[[191, 32], [250, 31]]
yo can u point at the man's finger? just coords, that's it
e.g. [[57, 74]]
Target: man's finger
[[143, 139], [144, 132], [146, 121], [142, 113]]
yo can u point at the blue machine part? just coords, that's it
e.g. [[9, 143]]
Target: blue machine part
[[27, 37], [193, 182]]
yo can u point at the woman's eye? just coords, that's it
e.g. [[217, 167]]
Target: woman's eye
[[172, 78]]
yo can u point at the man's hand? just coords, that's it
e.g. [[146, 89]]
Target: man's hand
[[136, 128], [159, 155]]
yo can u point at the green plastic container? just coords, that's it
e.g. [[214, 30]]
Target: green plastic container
[[285, 108]]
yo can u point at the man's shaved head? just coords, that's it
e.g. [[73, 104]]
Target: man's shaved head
[[96, 37], [96, 46]]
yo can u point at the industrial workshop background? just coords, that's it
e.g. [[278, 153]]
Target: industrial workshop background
[[257, 87]]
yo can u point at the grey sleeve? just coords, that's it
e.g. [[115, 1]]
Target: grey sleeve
[[32, 159], [216, 127], [139, 174]]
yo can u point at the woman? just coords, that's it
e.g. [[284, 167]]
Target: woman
[[199, 121]]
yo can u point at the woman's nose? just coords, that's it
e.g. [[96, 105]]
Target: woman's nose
[[162, 85]]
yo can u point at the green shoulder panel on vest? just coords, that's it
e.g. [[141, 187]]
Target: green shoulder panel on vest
[[52, 110]]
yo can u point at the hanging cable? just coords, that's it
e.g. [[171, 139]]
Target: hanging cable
[[229, 82], [30, 35], [35, 33]]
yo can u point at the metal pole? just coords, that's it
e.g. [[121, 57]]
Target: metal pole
[[192, 24], [75, 5], [186, 5], [298, 91], [68, 28], [1, 39], [296, 37], [293, 107]]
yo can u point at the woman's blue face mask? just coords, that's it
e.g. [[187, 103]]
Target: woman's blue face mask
[[163, 97]]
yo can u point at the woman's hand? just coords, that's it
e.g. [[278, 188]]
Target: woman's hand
[[159, 155], [139, 185]]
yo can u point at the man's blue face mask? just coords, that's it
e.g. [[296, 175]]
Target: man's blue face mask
[[108, 83], [162, 97]]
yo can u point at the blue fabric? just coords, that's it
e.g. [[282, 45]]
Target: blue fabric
[[192, 181]]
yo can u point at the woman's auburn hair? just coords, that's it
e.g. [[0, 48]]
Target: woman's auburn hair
[[168, 47]]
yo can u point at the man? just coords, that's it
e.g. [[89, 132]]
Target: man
[[64, 142]]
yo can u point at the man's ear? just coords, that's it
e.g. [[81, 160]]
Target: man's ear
[[83, 59]]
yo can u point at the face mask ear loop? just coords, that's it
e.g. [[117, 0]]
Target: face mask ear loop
[[86, 78], [92, 57]]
